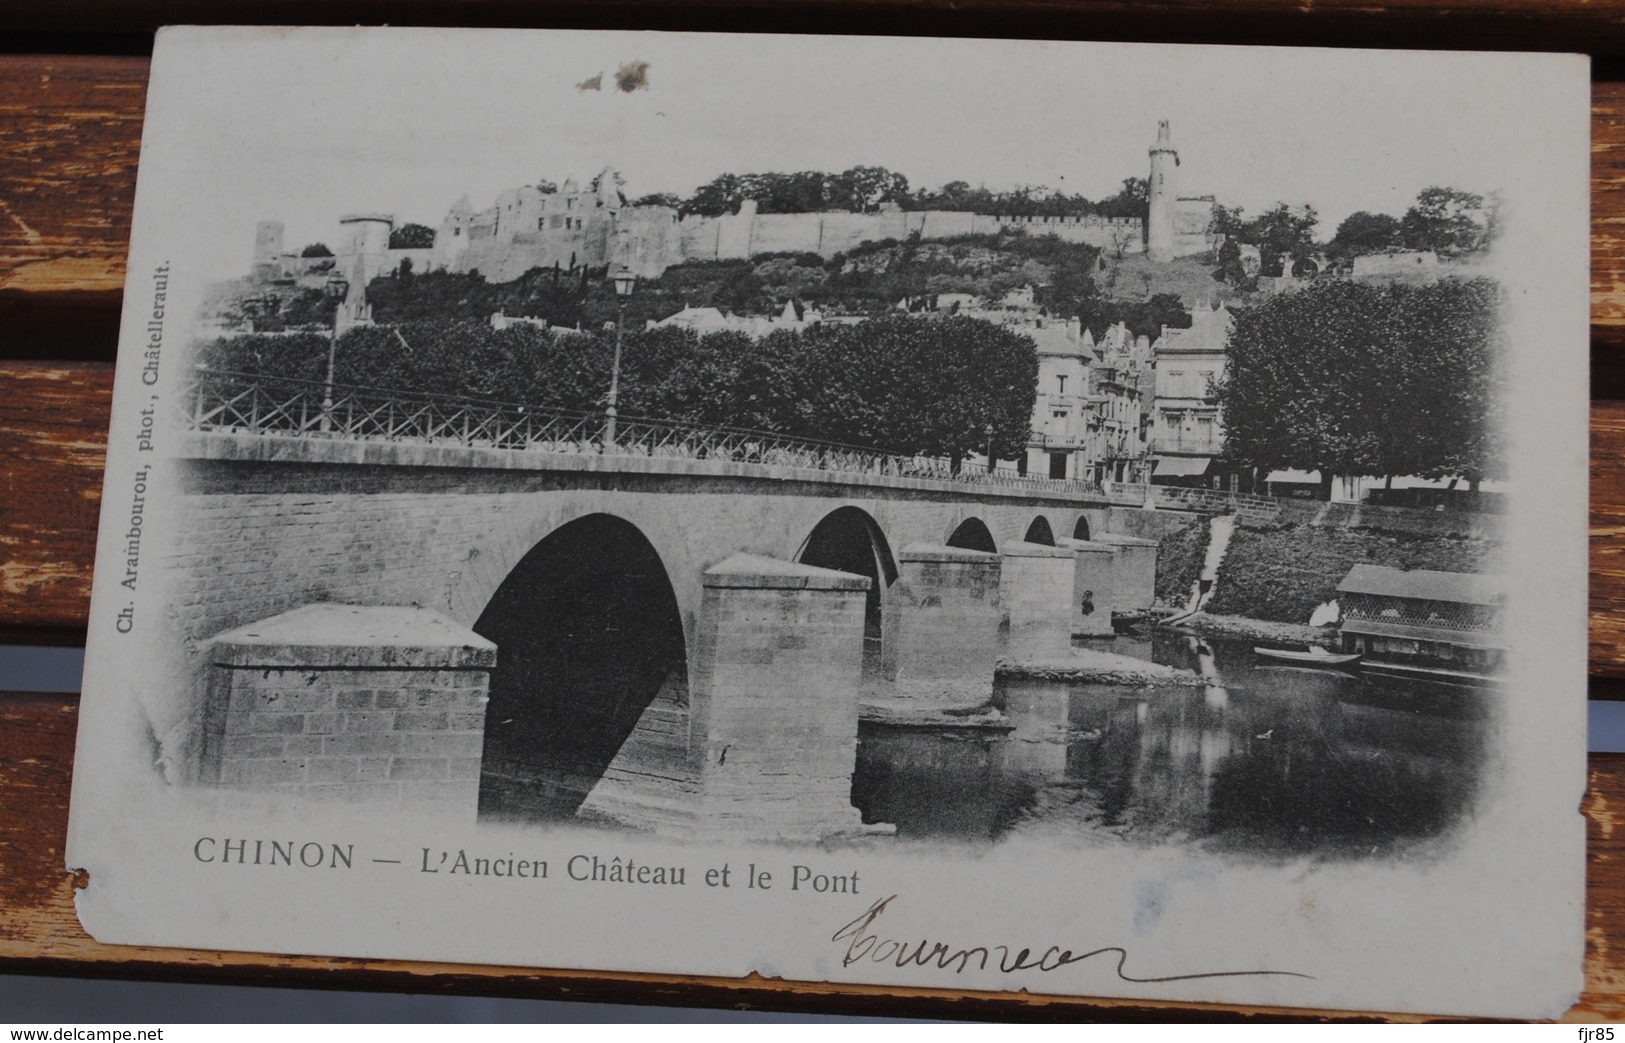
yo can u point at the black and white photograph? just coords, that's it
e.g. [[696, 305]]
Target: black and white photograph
[[1100, 519]]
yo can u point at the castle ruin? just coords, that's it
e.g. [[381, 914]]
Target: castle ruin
[[594, 227]]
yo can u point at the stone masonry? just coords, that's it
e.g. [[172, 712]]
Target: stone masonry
[[776, 666], [350, 703], [1036, 595], [942, 626], [1136, 576], [1092, 586]]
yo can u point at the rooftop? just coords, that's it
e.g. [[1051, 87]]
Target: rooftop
[[1461, 587]]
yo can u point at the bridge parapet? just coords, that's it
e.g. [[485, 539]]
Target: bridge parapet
[[304, 410], [240, 447]]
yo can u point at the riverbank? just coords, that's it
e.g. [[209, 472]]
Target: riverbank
[[1280, 573], [1097, 667], [1259, 630]]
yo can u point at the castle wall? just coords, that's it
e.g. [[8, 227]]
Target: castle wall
[[787, 233], [648, 240], [698, 238], [945, 224], [734, 232], [422, 259]]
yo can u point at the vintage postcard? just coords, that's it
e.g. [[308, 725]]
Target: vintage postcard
[[1098, 520]]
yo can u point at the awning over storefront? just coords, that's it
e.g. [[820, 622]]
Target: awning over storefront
[[1182, 466]]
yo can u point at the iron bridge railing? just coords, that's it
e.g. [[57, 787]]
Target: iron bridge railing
[[247, 403]]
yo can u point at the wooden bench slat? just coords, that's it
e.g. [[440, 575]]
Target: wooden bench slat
[[71, 128], [39, 932], [53, 442], [1495, 24]]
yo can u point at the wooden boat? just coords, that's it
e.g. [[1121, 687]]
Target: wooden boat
[[1314, 656]]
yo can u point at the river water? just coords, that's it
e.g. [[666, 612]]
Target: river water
[[1265, 760]]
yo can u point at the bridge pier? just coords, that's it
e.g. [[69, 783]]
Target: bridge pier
[[1036, 748], [352, 703], [1093, 586], [1035, 591], [942, 627], [777, 662], [1135, 586]]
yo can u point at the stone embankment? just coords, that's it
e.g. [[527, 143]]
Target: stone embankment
[[1097, 667], [1259, 630]]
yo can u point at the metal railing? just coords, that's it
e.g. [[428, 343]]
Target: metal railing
[[247, 403]]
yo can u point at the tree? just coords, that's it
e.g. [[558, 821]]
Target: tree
[[1143, 318], [862, 189], [1132, 200], [316, 250], [1230, 221], [1353, 378], [658, 199], [721, 195], [1230, 269], [1363, 233], [1446, 221], [1282, 233], [411, 237]]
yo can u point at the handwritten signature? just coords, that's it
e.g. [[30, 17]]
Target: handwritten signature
[[864, 944]]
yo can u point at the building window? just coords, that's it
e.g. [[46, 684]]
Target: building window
[[540, 221], [456, 231], [1060, 380], [1059, 414]]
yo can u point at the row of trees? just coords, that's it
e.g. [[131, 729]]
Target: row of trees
[[900, 384], [1444, 220], [1447, 221], [864, 189], [1354, 378]]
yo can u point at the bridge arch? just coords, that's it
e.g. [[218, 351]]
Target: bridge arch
[[1040, 532], [589, 636], [973, 534], [1080, 531], [848, 539]]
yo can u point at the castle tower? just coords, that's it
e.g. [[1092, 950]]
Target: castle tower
[[1161, 195], [267, 249], [364, 240], [451, 238]]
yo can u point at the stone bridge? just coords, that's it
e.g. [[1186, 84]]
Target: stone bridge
[[667, 643]]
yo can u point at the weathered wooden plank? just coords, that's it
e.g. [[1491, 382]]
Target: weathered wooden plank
[[40, 933], [70, 135], [1498, 24], [1607, 653], [1608, 209], [53, 441]]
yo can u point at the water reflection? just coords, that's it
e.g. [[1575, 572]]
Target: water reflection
[[1275, 760]]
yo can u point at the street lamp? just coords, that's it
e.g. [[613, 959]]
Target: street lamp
[[988, 430], [336, 289], [624, 282]]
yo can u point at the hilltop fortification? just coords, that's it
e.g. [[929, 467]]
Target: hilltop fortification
[[593, 226]]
